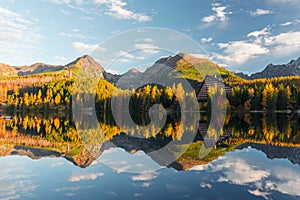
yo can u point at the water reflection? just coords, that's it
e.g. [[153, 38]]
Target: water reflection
[[56, 136], [245, 173], [255, 156]]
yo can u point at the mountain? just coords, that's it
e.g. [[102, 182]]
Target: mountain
[[83, 159], [192, 68], [82, 66], [37, 68], [7, 70], [290, 69], [86, 65], [273, 152]]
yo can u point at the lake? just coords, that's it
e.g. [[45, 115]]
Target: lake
[[251, 156]]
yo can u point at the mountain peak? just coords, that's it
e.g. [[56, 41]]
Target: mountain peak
[[88, 57], [290, 69], [85, 58], [88, 66], [184, 54], [294, 63], [133, 70]]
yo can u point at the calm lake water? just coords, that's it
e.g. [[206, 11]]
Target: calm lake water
[[256, 156]]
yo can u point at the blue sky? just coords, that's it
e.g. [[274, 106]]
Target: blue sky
[[240, 35]]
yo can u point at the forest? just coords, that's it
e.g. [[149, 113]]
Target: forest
[[270, 95], [265, 95]]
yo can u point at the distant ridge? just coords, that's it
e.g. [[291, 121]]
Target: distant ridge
[[271, 71], [37, 68], [86, 65], [181, 62], [83, 64]]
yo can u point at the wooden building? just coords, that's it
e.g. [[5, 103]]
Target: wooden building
[[208, 82]]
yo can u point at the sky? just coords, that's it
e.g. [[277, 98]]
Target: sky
[[239, 35]]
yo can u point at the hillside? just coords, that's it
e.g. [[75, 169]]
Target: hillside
[[192, 68], [86, 66], [82, 66], [7, 70], [290, 69], [37, 68]]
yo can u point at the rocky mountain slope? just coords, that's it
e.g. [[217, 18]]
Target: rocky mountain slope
[[37, 68], [82, 66], [272, 152], [182, 65], [7, 70], [185, 63], [290, 69]]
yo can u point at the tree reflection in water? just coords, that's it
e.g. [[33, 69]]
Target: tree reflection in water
[[55, 136]]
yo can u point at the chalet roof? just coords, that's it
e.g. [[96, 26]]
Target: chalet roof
[[208, 82], [211, 81]]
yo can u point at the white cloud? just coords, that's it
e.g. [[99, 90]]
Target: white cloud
[[289, 185], [54, 1], [17, 181], [286, 23], [206, 185], [260, 37], [216, 4], [68, 2], [18, 35], [204, 40], [283, 1], [76, 35], [239, 172], [148, 40], [112, 71], [147, 48], [243, 167], [198, 55], [116, 9], [65, 12], [87, 176], [259, 43], [263, 32], [86, 48], [259, 12], [285, 43], [219, 15], [239, 52], [290, 23], [259, 193], [72, 188], [200, 167], [137, 195], [209, 19], [126, 56], [146, 184], [145, 176]]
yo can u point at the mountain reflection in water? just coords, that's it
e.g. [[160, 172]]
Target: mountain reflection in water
[[255, 156], [56, 136]]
